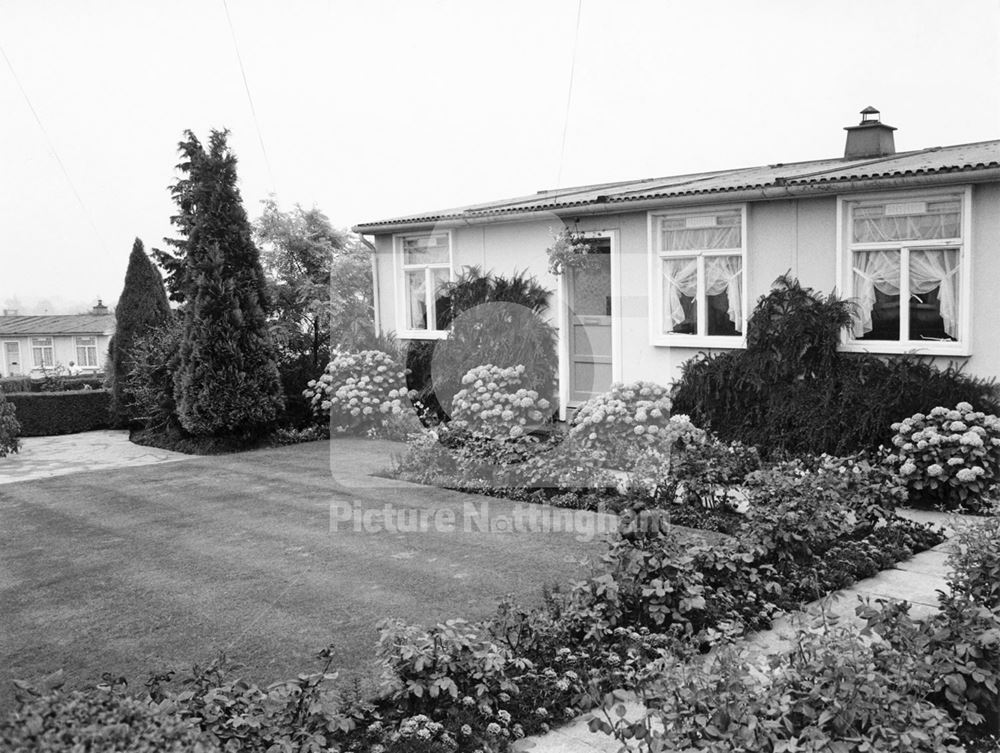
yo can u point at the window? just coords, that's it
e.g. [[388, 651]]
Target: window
[[41, 352], [698, 277], [905, 268], [424, 263], [86, 352]]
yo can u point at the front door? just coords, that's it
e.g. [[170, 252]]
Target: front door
[[12, 358], [589, 318]]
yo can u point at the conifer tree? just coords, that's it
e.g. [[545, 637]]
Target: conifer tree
[[226, 382], [141, 307]]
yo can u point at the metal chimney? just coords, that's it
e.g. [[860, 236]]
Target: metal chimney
[[870, 138]]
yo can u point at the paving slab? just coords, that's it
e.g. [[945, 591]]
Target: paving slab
[[45, 457]]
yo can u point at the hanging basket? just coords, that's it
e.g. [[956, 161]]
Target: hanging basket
[[569, 251]]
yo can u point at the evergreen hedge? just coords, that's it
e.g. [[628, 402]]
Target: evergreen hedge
[[47, 413], [792, 392]]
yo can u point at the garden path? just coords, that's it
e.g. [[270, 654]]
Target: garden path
[[44, 457], [916, 580]]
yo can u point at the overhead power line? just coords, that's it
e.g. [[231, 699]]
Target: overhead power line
[[246, 87], [569, 93], [52, 149]]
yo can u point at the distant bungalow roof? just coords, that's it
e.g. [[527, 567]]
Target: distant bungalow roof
[[968, 161], [71, 324]]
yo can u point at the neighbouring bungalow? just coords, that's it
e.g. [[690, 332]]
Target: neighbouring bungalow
[[32, 344], [913, 237]]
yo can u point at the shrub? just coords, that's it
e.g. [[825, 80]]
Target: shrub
[[60, 721], [148, 387], [359, 391], [492, 319], [625, 419], [10, 428], [791, 392], [141, 307], [948, 457], [47, 413], [496, 403], [15, 384]]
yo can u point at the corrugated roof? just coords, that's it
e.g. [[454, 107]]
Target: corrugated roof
[[961, 158], [72, 324]]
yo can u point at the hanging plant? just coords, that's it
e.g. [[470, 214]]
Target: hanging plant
[[570, 250]]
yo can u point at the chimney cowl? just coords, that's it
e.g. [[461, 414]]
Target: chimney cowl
[[870, 138]]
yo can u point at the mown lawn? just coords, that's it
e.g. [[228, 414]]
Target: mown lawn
[[133, 570]]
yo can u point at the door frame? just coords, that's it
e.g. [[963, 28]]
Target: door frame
[[6, 364], [564, 328]]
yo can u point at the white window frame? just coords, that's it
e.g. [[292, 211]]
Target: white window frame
[[657, 336], [50, 347], [845, 264], [400, 268], [76, 347]]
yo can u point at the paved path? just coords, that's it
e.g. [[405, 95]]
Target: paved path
[[916, 580], [44, 457]]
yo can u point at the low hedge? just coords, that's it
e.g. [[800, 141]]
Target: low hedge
[[45, 413], [10, 385]]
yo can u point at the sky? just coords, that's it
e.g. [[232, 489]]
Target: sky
[[372, 109]]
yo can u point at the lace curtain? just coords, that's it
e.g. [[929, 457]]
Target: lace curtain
[[723, 274], [929, 269]]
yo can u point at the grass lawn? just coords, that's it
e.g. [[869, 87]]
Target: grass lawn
[[139, 569]]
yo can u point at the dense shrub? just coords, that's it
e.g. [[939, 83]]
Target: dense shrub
[[496, 402], [359, 391], [48, 413], [10, 428], [492, 319], [790, 391], [148, 387], [948, 457], [626, 420], [141, 307], [62, 721], [52, 383], [15, 384]]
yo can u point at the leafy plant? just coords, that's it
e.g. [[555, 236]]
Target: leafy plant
[[9, 428], [948, 457], [569, 250], [358, 391]]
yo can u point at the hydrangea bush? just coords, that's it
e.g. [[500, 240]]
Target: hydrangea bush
[[949, 457], [497, 403], [626, 421], [359, 391]]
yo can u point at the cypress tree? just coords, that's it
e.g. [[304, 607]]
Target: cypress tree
[[226, 382], [141, 307]]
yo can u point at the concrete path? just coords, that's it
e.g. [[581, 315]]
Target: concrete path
[[44, 457], [916, 580]]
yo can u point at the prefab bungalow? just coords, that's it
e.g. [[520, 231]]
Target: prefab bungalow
[[913, 237], [32, 344]]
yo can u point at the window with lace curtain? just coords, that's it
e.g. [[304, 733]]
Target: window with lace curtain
[[698, 271], [905, 267], [423, 265]]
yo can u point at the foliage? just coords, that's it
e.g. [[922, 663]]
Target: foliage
[[141, 307], [47, 413], [148, 387], [226, 381], [569, 250], [790, 393], [948, 457], [27, 384], [625, 419], [492, 319], [495, 402], [320, 282], [55, 720], [706, 473], [359, 391], [10, 427]]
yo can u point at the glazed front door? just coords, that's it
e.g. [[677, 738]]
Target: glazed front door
[[12, 358], [589, 301]]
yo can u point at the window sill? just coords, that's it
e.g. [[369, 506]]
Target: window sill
[[421, 334], [699, 341], [901, 348]]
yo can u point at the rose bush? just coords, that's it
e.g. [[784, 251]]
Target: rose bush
[[948, 457], [359, 392]]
